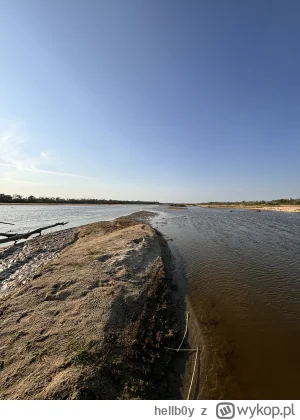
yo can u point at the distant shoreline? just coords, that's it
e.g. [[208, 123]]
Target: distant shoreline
[[287, 208], [75, 204]]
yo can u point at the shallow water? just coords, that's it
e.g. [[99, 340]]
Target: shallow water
[[243, 278], [29, 217]]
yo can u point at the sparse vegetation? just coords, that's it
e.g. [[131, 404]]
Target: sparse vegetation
[[83, 353]]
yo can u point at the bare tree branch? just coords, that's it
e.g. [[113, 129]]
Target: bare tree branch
[[5, 223], [18, 236]]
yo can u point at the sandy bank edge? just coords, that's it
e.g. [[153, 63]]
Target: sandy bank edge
[[138, 367], [283, 208]]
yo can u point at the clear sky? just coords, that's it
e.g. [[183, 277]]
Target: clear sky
[[162, 100]]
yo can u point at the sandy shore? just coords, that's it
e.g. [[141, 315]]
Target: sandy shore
[[86, 313], [283, 208]]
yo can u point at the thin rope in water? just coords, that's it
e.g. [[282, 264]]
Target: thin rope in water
[[170, 348], [196, 358], [186, 328], [179, 349]]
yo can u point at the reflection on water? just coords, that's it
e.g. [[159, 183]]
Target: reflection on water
[[243, 279], [29, 217]]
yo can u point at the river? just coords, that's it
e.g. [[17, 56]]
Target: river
[[30, 217], [242, 271], [243, 281]]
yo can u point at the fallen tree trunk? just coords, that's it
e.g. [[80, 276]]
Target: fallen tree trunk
[[14, 237], [5, 223]]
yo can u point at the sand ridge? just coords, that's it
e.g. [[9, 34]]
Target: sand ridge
[[91, 323]]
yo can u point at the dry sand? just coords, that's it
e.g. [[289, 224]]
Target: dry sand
[[288, 209], [283, 208], [86, 313]]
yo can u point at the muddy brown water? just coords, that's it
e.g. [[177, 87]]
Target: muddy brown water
[[243, 281]]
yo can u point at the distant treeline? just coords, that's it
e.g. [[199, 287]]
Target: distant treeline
[[16, 198], [257, 203]]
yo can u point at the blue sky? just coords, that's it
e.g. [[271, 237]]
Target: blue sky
[[161, 100]]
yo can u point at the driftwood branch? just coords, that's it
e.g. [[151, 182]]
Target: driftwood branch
[[5, 223], [18, 236], [8, 235]]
